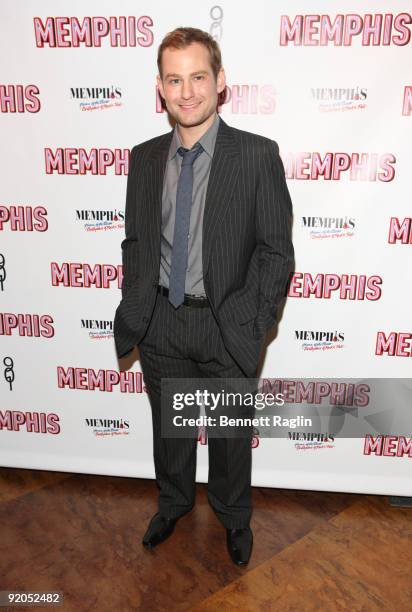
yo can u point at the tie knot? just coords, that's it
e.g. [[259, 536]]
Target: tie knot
[[189, 155]]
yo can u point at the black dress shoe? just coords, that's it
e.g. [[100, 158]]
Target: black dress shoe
[[159, 529], [239, 544]]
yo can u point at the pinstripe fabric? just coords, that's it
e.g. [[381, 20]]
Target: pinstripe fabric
[[247, 257], [247, 248], [187, 343]]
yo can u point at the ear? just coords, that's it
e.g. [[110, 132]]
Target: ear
[[160, 85], [221, 80]]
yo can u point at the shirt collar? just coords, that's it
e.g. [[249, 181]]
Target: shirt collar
[[208, 140]]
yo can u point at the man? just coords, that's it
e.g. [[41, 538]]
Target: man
[[206, 260]]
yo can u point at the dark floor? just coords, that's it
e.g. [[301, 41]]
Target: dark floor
[[81, 535]]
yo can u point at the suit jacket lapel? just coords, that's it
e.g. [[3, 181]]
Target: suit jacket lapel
[[222, 179], [154, 190]]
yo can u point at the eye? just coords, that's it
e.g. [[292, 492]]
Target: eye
[[199, 77], [174, 81]]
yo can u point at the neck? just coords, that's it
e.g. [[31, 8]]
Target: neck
[[190, 135]]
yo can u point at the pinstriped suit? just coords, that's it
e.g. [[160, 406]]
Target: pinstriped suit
[[247, 258]]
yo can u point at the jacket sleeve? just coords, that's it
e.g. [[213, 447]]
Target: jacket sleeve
[[273, 235], [129, 245]]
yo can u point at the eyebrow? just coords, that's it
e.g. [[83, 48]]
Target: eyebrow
[[173, 74]]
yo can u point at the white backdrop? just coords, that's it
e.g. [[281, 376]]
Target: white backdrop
[[329, 106]]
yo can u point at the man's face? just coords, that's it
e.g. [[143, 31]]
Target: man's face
[[188, 84]]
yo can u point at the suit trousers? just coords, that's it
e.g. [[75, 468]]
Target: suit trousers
[[186, 343]]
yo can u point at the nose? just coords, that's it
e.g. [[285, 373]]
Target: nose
[[187, 89]]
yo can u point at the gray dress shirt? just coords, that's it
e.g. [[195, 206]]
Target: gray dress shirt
[[201, 170]]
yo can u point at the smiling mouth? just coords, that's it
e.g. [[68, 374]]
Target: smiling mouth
[[189, 106]]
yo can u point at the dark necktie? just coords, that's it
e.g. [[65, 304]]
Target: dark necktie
[[182, 224]]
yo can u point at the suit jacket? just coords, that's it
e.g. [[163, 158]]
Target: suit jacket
[[247, 249]]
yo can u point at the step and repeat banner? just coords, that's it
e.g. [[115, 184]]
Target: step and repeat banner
[[331, 82]]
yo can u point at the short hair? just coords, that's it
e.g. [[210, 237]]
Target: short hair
[[180, 38]]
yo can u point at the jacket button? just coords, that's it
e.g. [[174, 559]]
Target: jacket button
[[145, 319]]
